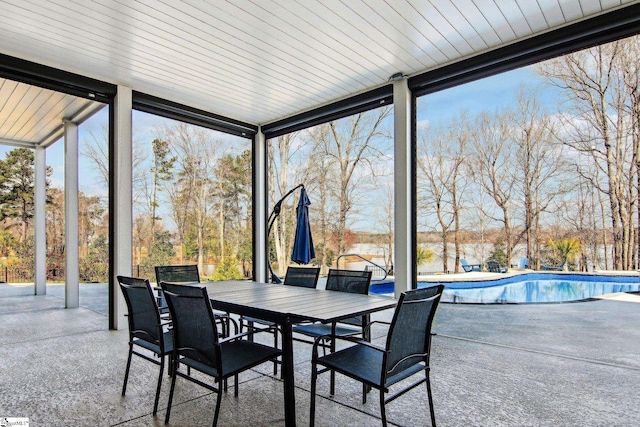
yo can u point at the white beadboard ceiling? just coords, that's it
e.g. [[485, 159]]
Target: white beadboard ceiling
[[257, 61], [31, 116]]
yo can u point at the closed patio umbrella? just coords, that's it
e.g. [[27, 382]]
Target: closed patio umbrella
[[303, 251]]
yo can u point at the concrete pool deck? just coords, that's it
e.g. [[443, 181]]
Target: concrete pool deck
[[569, 364], [483, 275]]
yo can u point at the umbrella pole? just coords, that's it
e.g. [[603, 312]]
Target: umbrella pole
[[275, 213]]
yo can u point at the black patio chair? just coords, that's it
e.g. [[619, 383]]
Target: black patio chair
[[355, 282], [494, 267], [303, 277], [174, 273], [198, 345], [146, 329], [185, 274], [177, 273], [406, 352]]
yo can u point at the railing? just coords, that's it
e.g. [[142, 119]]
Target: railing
[[95, 273], [376, 268], [377, 271], [26, 275]]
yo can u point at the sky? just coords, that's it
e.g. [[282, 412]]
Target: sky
[[491, 93], [496, 92]]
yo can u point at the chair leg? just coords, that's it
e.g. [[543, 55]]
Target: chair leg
[[155, 403], [383, 410], [431, 410], [235, 380], [332, 373], [312, 402], [275, 345], [250, 329], [172, 364], [218, 402], [126, 372], [173, 386]]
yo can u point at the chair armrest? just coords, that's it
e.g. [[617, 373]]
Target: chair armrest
[[348, 338], [227, 318], [367, 327], [235, 337]]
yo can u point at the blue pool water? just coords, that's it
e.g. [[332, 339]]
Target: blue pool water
[[529, 288]]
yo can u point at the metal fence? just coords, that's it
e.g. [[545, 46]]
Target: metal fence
[[27, 275]]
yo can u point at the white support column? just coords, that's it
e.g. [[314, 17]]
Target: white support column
[[123, 205], [404, 263], [71, 268], [260, 242], [40, 221]]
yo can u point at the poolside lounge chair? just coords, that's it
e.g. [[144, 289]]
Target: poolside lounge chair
[[523, 263], [555, 267], [468, 268], [494, 267]]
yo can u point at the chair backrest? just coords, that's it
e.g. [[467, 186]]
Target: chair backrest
[[465, 265], [302, 276], [177, 273], [355, 282], [409, 337], [524, 263], [194, 330], [144, 317]]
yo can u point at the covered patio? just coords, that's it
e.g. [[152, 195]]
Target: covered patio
[[569, 364], [259, 71]]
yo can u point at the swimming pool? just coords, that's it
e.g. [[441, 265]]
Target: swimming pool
[[529, 288]]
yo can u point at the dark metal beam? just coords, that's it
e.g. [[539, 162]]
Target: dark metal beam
[[28, 72], [173, 110], [621, 23], [337, 110]]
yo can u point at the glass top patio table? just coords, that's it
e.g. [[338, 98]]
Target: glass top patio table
[[286, 305]]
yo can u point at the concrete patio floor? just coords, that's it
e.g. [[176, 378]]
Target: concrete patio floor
[[573, 364]]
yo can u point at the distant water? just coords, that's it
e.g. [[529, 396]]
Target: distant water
[[529, 288]]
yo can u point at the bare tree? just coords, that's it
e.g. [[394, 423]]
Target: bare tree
[[385, 219], [353, 146], [281, 157], [96, 148], [593, 82], [630, 58], [493, 155], [196, 153], [540, 165], [320, 177], [441, 160]]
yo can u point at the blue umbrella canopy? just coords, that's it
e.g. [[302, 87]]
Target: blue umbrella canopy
[[303, 251]]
